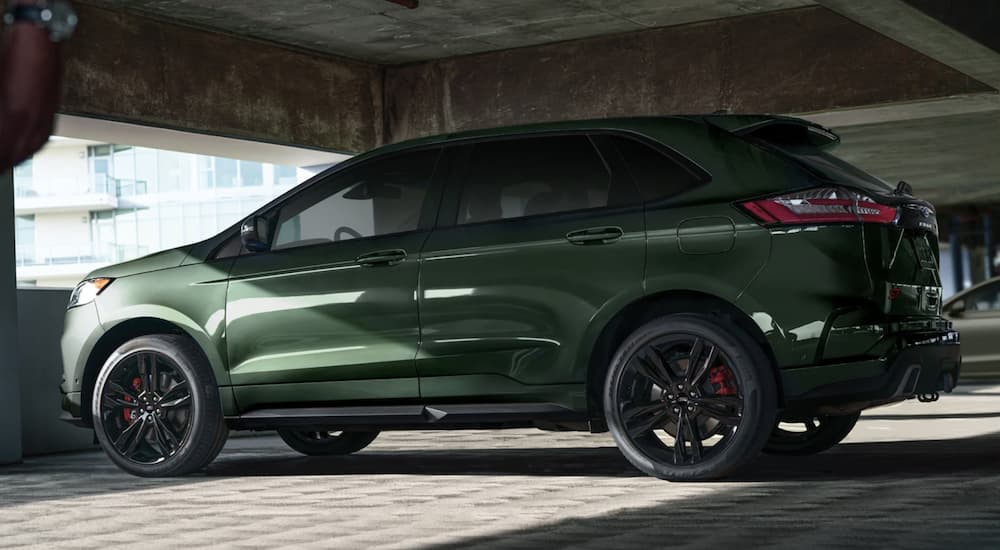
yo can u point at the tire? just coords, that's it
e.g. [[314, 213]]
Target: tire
[[730, 394], [314, 443], [176, 425], [821, 433]]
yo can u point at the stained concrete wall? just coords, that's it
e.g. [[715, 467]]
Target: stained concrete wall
[[141, 70], [39, 328], [10, 405], [800, 60]]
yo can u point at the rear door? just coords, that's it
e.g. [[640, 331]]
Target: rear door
[[539, 238]]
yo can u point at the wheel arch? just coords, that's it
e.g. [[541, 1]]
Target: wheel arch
[[645, 309], [130, 329]]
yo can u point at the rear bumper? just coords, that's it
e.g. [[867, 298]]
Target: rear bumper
[[926, 363]]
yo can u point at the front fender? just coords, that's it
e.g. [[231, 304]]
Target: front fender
[[191, 297]]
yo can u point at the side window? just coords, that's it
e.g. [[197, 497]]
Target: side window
[[984, 299], [531, 176], [379, 197], [657, 175]]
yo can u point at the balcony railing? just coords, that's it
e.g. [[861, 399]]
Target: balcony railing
[[94, 184], [72, 255]]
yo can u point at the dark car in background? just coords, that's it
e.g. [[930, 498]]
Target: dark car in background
[[704, 287]]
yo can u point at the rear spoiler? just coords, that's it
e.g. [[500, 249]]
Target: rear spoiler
[[776, 129]]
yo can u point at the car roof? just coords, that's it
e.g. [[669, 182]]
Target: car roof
[[727, 122]]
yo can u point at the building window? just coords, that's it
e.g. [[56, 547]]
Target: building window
[[251, 174], [168, 199], [285, 175], [24, 239]]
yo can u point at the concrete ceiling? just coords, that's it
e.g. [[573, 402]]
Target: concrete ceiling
[[948, 159], [382, 32]]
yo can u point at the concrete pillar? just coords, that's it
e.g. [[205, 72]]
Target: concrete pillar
[[10, 404]]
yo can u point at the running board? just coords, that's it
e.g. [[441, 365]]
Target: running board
[[498, 415]]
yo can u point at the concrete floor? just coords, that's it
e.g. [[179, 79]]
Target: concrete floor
[[913, 475]]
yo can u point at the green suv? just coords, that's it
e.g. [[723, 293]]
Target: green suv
[[704, 287]]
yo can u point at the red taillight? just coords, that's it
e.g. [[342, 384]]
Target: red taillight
[[826, 205]]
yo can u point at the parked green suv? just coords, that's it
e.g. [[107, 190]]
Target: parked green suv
[[704, 287]]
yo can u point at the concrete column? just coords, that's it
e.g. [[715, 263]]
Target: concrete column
[[10, 404]]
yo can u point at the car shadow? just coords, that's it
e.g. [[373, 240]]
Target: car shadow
[[899, 459]]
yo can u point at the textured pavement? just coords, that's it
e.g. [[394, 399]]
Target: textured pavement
[[910, 476]]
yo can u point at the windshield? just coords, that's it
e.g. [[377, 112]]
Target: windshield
[[832, 168]]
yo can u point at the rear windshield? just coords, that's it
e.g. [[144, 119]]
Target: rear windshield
[[793, 143], [832, 168]]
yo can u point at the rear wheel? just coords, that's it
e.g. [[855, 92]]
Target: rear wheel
[[156, 407], [316, 443], [690, 397], [810, 435]]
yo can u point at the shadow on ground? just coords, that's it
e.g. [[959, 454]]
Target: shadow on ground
[[901, 459]]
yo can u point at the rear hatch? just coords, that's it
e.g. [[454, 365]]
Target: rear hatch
[[899, 236]]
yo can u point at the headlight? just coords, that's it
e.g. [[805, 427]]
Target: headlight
[[87, 290]]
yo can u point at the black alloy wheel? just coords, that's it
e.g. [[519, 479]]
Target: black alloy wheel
[[810, 435], [686, 398], [156, 408], [146, 407], [327, 443]]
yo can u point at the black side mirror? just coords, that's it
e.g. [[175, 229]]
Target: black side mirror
[[254, 234]]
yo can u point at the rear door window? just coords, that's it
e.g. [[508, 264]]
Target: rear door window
[[533, 176], [657, 175]]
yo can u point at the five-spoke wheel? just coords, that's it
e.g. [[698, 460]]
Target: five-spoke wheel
[[687, 396]]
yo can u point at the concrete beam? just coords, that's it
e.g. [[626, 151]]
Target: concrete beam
[[801, 60], [909, 26], [895, 112], [10, 403], [141, 70]]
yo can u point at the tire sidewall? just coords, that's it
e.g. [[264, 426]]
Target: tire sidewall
[[754, 376], [205, 411]]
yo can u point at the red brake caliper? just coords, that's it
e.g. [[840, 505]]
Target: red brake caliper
[[136, 384], [722, 380]]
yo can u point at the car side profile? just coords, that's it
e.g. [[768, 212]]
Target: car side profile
[[975, 311], [703, 287]]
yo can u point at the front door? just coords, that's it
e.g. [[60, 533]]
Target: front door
[[328, 314], [537, 239]]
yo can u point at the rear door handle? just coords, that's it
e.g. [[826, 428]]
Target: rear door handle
[[595, 235], [381, 257]]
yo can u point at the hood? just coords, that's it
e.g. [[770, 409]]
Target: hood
[[153, 262]]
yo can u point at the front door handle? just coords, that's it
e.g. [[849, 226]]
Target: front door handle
[[381, 257], [595, 235]]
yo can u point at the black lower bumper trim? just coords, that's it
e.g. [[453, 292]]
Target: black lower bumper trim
[[928, 364]]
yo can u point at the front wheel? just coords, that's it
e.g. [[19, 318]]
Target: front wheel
[[690, 397], [315, 443], [156, 407], [809, 435]]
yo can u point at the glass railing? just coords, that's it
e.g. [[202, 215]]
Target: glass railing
[[71, 255], [93, 184]]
